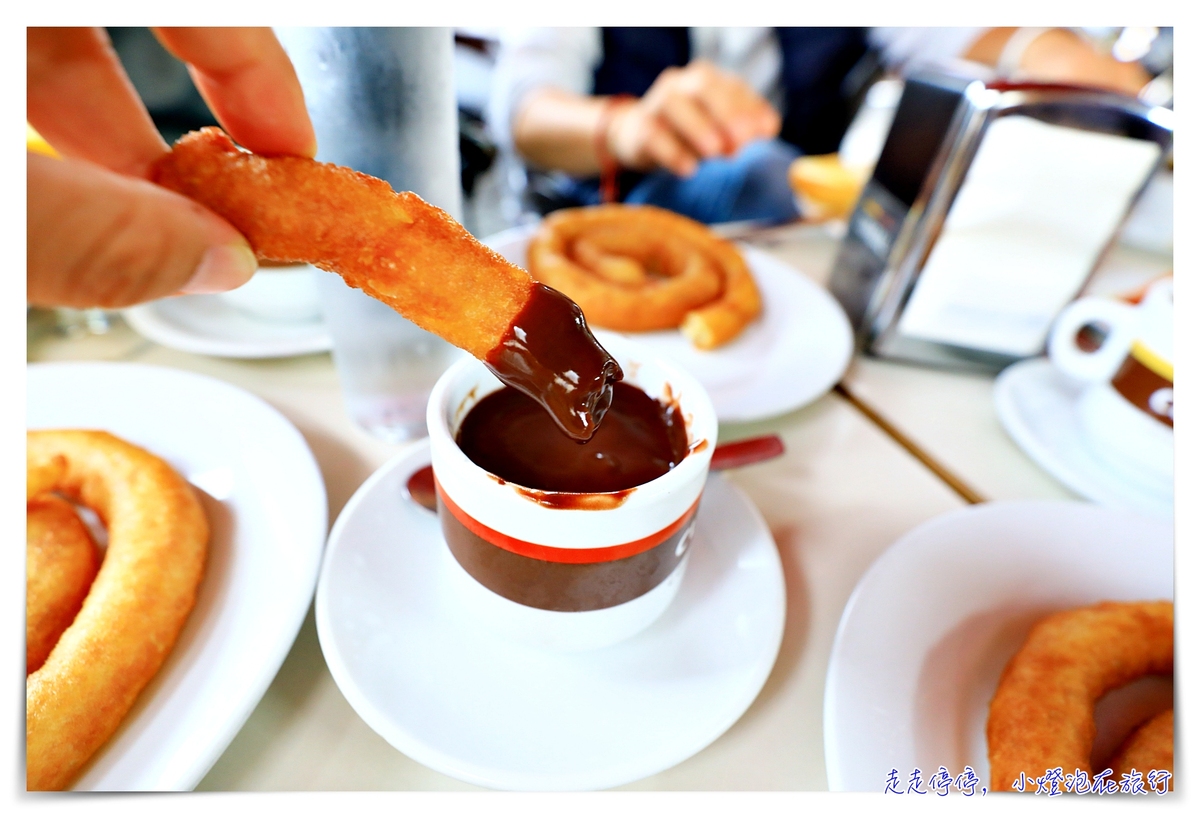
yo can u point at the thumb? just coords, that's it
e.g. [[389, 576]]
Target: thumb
[[99, 239]]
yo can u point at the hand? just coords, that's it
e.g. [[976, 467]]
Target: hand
[[99, 233], [688, 114]]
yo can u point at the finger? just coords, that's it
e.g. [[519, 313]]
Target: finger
[[749, 125], [768, 122], [100, 239], [693, 125], [248, 81], [80, 100], [667, 151], [742, 114]]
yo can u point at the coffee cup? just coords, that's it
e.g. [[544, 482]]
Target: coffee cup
[[283, 293], [568, 570], [1126, 407]]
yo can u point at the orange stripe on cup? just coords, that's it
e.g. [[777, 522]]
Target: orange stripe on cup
[[549, 553]]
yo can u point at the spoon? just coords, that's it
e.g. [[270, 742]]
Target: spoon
[[421, 489]]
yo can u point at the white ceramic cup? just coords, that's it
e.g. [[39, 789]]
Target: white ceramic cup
[[573, 578], [284, 294], [1127, 408]]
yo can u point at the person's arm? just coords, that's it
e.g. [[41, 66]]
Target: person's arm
[[98, 232], [557, 129], [688, 114], [1049, 55], [1058, 55]]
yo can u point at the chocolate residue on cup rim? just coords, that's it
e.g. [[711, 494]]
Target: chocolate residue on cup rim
[[565, 500], [670, 401], [465, 405]]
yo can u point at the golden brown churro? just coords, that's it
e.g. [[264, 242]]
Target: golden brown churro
[[137, 605], [637, 268], [408, 254], [1042, 715]]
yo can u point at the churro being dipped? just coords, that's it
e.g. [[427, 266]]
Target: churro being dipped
[[410, 255]]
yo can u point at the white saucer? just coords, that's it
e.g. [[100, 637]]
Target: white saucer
[[506, 716], [266, 507], [935, 619], [1037, 407], [210, 325], [789, 357]]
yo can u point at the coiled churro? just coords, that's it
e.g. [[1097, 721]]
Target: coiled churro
[[1150, 747], [60, 563], [637, 268], [1042, 715], [137, 605]]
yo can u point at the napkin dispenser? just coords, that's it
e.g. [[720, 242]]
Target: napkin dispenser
[[988, 210]]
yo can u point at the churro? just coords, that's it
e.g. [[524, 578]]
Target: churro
[[1150, 747], [137, 604], [411, 256], [1042, 715], [60, 563], [637, 268]]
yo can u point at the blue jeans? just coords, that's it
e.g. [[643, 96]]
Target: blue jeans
[[749, 186]]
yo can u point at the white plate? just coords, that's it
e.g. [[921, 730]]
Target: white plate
[[789, 357], [934, 620], [1037, 407], [507, 716], [266, 505], [209, 325]]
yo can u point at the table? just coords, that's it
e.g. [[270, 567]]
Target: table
[[891, 447]]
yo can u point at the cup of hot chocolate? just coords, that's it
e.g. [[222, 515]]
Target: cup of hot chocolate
[[1126, 408], [560, 544]]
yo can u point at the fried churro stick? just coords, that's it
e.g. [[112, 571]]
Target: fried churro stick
[[408, 254]]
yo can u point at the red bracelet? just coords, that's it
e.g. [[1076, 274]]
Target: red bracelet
[[609, 166]]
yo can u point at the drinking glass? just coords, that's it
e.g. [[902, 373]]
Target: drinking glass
[[382, 102]]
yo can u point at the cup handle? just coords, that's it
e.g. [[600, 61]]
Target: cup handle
[[1099, 364]]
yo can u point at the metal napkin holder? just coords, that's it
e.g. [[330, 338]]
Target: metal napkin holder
[[939, 125]]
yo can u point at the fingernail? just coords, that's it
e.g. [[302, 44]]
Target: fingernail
[[222, 268]]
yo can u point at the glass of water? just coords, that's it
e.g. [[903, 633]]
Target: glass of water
[[387, 365], [382, 102]]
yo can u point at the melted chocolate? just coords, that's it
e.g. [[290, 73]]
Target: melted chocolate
[[550, 355], [509, 435]]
